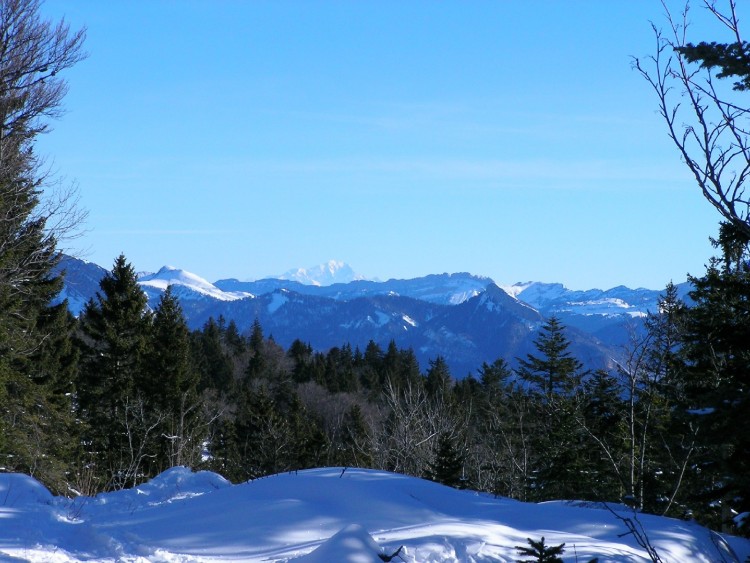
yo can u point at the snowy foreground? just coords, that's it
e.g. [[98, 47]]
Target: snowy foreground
[[322, 515]]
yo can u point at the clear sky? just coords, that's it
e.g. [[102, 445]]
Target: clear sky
[[508, 139]]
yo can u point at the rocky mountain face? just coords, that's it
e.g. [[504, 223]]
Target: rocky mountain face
[[466, 319]]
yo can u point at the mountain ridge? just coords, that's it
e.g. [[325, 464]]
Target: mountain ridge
[[333, 271], [465, 318]]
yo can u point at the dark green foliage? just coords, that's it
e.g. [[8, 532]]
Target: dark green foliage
[[604, 415], [258, 364], [309, 443], [171, 388], [540, 553], [447, 463], [559, 443], [270, 432], [339, 375], [27, 255], [51, 370], [438, 380], [213, 360], [113, 380], [502, 421], [669, 444], [39, 436], [717, 349], [301, 355], [36, 427], [399, 367], [554, 372], [261, 435], [233, 340], [494, 379], [733, 59], [355, 446]]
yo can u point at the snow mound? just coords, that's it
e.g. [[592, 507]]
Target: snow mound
[[175, 484], [350, 545], [323, 515]]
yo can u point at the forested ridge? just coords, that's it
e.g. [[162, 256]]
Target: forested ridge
[[114, 397]]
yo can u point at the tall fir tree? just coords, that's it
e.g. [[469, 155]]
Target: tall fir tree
[[668, 435], [717, 349], [554, 379], [212, 360], [355, 447], [171, 388], [554, 372], [258, 365], [438, 380], [111, 399], [33, 414], [603, 415]]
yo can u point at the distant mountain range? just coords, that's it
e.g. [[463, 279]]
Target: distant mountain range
[[325, 274], [467, 319]]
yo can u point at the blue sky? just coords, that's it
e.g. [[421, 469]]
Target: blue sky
[[507, 139]]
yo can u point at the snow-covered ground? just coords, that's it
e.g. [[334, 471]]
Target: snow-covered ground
[[321, 515]]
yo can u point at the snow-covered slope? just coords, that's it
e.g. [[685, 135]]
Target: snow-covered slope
[[442, 289], [170, 276], [324, 516], [555, 298], [81, 282], [329, 273]]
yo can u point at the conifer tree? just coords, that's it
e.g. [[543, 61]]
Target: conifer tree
[[717, 348], [233, 339], [493, 379], [34, 54], [438, 380], [541, 553], [111, 399], [604, 419], [52, 369], [348, 382], [258, 364], [212, 361], [356, 443], [446, 466], [554, 378], [301, 355], [309, 444], [554, 372], [502, 421], [171, 387], [398, 367], [373, 357], [264, 441]]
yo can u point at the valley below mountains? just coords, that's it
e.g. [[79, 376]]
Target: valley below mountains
[[464, 318]]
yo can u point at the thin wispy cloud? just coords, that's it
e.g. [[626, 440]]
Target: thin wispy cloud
[[168, 232], [499, 173]]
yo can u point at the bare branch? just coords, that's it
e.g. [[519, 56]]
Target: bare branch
[[705, 121]]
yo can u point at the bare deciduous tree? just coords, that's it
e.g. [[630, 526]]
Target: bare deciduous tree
[[32, 54], [705, 117], [35, 211], [413, 423]]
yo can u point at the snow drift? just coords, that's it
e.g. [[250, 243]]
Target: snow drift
[[322, 515]]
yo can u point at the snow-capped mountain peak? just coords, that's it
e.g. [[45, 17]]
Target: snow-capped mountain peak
[[331, 272], [171, 276]]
